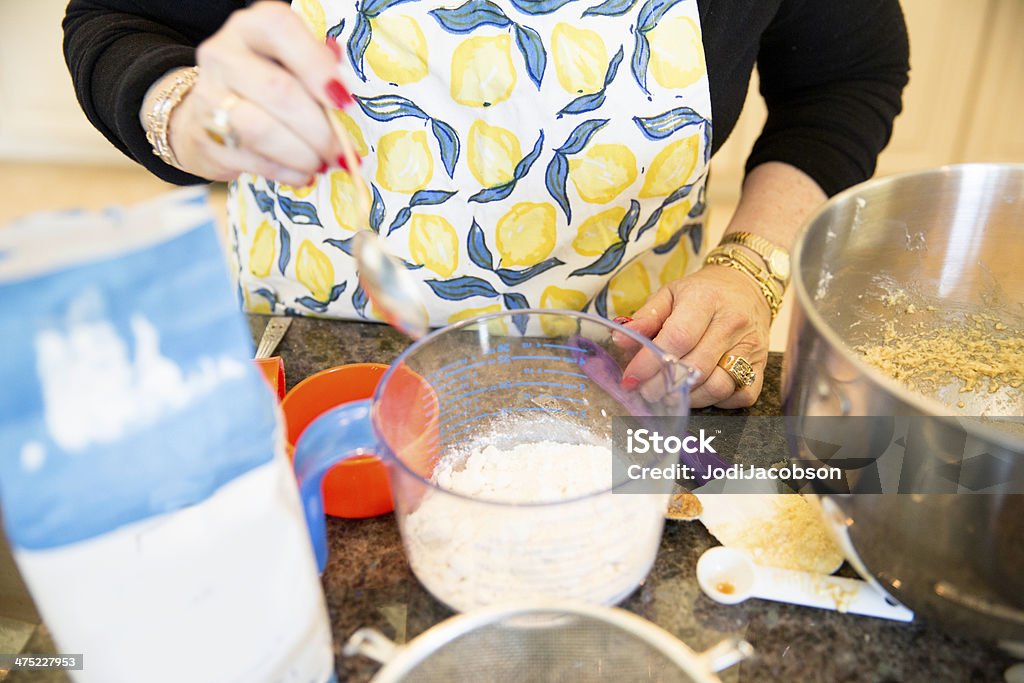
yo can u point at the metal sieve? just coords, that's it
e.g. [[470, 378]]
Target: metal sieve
[[544, 642]]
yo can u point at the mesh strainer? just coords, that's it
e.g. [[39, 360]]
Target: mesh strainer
[[544, 642]]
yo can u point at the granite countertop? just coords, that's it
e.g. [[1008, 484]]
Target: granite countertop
[[368, 581]]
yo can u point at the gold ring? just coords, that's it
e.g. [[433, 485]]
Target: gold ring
[[740, 369], [218, 128]]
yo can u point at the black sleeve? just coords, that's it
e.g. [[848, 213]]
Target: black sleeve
[[116, 49], [832, 75]]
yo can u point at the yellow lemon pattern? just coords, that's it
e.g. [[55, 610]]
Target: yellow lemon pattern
[[677, 56], [354, 132], [404, 161], [672, 168], [261, 253], [580, 58], [314, 270], [398, 49], [564, 299], [526, 234], [434, 244], [482, 71], [497, 326], [492, 153], [345, 201], [598, 232], [518, 154], [602, 172], [629, 289]]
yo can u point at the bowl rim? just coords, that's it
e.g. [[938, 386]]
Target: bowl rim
[[611, 325], [925, 405]]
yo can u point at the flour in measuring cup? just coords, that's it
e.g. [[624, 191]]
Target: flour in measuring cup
[[519, 532]]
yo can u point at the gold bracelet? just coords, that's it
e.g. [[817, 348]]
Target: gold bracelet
[[158, 118], [733, 258]]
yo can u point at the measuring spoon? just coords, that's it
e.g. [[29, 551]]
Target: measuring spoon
[[730, 576], [384, 277]]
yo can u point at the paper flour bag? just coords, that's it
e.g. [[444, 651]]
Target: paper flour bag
[[144, 486]]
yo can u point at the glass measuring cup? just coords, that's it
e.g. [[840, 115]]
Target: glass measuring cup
[[508, 379]]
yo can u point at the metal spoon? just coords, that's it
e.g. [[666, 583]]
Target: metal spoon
[[384, 277]]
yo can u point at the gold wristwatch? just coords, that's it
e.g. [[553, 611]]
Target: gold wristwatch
[[776, 259]]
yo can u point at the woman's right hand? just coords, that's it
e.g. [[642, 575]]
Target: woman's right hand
[[283, 78]]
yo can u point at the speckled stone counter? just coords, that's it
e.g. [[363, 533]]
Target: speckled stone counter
[[369, 583]]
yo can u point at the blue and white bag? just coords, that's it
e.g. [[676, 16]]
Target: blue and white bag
[[143, 480]]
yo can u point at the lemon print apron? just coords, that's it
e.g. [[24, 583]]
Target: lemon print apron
[[520, 154]]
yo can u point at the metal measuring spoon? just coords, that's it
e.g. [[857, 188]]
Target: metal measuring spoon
[[389, 286], [384, 278]]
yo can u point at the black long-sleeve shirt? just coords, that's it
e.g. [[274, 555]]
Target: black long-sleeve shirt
[[832, 73]]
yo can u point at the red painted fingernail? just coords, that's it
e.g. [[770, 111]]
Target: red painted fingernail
[[332, 44], [630, 383], [323, 167], [309, 182], [623, 319], [343, 164], [339, 94]]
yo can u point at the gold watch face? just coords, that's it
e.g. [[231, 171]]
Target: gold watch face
[[779, 262]]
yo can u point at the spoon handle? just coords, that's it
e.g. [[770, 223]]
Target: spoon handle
[[352, 160], [826, 592]]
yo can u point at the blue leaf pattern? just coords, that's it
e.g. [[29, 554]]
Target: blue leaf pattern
[[300, 213], [477, 247], [268, 295], [628, 221], [376, 210], [389, 107], [344, 245], [650, 14], [469, 16], [532, 48], [373, 8], [581, 135], [608, 262], [539, 6], [336, 31], [554, 180], [430, 197], [462, 288], [401, 218], [263, 200], [641, 57], [697, 237], [601, 302], [663, 125], [359, 301], [448, 141], [515, 302], [357, 44], [517, 277], [286, 250], [610, 8]]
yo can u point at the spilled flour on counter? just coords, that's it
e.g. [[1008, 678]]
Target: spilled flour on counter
[[471, 553]]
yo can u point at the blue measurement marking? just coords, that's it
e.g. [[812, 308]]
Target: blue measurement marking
[[444, 368], [564, 372], [545, 384], [559, 359], [459, 372], [561, 346]]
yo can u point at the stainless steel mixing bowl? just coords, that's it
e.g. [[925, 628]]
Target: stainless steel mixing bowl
[[893, 255]]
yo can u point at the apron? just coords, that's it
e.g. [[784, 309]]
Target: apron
[[520, 153]]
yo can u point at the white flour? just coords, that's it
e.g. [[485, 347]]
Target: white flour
[[471, 553]]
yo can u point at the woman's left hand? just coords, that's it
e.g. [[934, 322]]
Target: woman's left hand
[[701, 318]]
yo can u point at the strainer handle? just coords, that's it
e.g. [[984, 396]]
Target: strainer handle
[[371, 643], [725, 654]]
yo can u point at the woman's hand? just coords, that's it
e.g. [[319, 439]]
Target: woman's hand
[[701, 318], [283, 77]]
